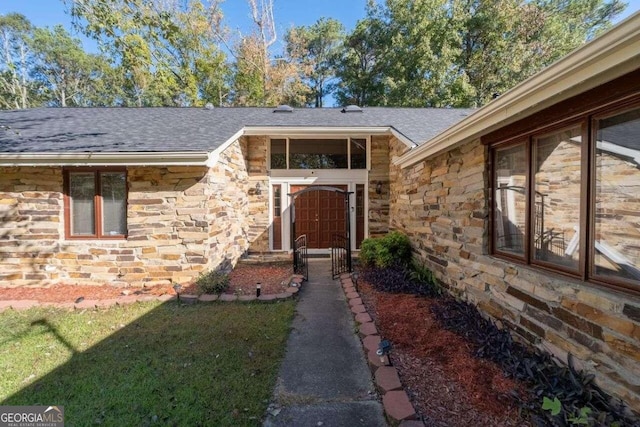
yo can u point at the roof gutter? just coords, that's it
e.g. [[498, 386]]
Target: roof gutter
[[186, 158], [605, 58]]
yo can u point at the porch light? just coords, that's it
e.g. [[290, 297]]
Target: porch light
[[258, 289], [258, 189], [379, 187]]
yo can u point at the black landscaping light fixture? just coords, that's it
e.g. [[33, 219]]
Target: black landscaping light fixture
[[354, 276], [379, 187], [258, 289], [384, 348], [177, 287]]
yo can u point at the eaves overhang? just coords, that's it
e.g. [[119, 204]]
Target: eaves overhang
[[187, 158], [612, 55]]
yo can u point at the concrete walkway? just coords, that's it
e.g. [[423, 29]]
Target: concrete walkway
[[324, 379]]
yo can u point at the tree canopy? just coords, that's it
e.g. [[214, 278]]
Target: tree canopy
[[415, 53]]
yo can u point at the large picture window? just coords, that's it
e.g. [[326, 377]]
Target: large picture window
[[95, 203], [567, 203], [309, 153], [616, 202]]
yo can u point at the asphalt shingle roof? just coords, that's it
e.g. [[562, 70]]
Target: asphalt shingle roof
[[165, 129]]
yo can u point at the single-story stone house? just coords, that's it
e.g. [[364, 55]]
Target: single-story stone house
[[528, 207]]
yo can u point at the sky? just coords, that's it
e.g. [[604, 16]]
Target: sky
[[287, 13], [237, 16]]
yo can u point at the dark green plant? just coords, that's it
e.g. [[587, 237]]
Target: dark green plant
[[421, 274], [212, 282], [392, 249], [369, 251]]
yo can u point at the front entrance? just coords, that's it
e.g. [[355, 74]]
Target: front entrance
[[320, 219], [319, 215]]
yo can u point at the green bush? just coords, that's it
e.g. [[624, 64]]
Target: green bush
[[369, 251], [392, 249], [212, 282]]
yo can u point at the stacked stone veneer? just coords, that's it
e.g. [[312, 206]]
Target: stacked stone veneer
[[181, 221], [255, 148], [442, 204], [379, 173]]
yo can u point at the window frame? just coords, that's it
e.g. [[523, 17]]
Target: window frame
[[588, 120], [348, 142], [97, 205], [584, 172], [609, 281]]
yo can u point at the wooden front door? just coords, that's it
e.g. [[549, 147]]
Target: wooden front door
[[320, 214]]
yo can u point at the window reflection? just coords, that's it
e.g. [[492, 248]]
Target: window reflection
[[557, 198], [278, 154], [617, 197], [510, 199], [318, 154]]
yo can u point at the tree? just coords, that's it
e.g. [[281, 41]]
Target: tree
[[260, 79], [66, 73], [360, 70], [506, 41], [460, 53], [16, 90], [168, 49], [315, 49]]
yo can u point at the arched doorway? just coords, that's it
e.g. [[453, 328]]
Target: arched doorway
[[320, 219]]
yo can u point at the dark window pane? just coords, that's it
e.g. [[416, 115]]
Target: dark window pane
[[556, 205], [114, 203], [277, 220], [278, 154], [82, 190], [318, 154], [617, 202], [510, 199], [358, 153], [277, 201]]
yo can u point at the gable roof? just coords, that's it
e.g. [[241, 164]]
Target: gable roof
[[162, 129]]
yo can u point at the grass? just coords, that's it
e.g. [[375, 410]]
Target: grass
[[147, 363]]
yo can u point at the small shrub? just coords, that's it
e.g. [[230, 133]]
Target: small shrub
[[212, 282], [392, 249], [369, 251]]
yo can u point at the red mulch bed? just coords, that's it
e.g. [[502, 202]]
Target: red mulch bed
[[274, 279], [448, 385]]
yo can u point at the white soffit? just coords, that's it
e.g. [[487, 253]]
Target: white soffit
[[613, 54], [188, 158]]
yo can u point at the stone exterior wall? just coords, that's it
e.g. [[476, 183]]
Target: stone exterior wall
[[379, 173], [30, 225], [181, 221], [442, 204], [255, 151]]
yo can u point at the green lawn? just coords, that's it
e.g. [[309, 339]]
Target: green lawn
[[146, 364]]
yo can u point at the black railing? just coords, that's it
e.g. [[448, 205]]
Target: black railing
[[340, 255], [301, 257]]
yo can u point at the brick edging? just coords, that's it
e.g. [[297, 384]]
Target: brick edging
[[291, 291], [395, 400]]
